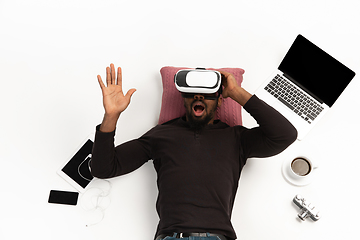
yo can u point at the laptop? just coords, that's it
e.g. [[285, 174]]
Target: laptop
[[306, 84]]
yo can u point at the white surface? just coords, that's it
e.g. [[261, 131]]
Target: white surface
[[51, 52]]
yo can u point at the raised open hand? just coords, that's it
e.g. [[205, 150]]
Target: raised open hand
[[114, 100]]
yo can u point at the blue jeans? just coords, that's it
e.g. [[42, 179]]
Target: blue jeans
[[191, 238]]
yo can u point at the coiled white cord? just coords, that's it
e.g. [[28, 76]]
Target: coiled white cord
[[96, 199]]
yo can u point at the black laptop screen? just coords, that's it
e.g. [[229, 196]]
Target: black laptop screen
[[317, 72]]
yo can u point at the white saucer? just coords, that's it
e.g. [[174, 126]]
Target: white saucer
[[294, 179]]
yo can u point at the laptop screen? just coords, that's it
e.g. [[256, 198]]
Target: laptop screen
[[321, 75]]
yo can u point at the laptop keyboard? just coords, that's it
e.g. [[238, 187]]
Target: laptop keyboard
[[294, 98]]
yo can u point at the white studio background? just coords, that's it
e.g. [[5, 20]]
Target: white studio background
[[51, 52]]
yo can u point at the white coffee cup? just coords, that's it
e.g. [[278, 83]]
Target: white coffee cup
[[299, 170]]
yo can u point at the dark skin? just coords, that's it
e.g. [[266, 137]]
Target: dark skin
[[199, 109], [115, 101]]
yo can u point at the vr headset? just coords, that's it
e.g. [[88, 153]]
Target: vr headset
[[191, 81]]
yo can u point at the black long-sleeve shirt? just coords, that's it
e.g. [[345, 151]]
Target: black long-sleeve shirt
[[197, 172]]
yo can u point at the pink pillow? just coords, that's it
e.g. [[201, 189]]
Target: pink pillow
[[172, 105]]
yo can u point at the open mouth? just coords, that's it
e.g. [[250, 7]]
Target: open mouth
[[198, 109]]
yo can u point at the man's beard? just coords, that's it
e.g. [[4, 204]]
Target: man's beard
[[196, 123]]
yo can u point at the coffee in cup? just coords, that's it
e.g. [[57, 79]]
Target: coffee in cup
[[301, 166]]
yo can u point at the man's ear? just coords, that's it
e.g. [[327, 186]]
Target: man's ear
[[220, 101]]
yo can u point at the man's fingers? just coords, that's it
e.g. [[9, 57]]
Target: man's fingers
[[130, 92], [226, 74], [119, 77], [112, 71], [108, 76], [228, 77], [102, 85]]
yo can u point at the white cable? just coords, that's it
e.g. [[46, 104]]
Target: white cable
[[89, 156], [93, 202]]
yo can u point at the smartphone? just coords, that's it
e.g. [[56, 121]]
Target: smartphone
[[63, 197]]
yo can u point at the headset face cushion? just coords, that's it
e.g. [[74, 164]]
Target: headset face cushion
[[172, 105]]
